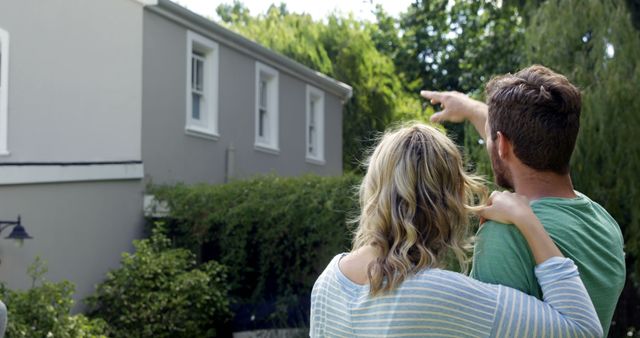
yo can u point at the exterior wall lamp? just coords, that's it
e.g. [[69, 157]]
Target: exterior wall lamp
[[18, 233]]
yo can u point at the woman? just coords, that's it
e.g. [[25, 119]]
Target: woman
[[415, 202], [3, 319]]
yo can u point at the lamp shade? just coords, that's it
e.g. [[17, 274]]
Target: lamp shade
[[18, 233]]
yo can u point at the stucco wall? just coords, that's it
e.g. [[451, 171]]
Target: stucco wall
[[172, 156], [74, 79], [80, 229], [75, 95]]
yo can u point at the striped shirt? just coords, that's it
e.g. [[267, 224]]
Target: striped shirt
[[440, 303], [3, 318]]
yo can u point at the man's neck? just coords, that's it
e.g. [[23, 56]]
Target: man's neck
[[535, 185]]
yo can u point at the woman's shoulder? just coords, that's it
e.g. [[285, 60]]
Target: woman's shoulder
[[333, 264], [329, 274]]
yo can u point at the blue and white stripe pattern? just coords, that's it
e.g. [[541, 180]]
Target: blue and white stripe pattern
[[439, 303]]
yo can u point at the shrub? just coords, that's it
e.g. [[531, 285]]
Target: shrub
[[160, 292], [43, 310], [275, 234]]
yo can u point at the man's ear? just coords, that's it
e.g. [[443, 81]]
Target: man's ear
[[504, 146]]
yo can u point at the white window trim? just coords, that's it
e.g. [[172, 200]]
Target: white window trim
[[271, 144], [318, 95], [211, 79], [4, 92]]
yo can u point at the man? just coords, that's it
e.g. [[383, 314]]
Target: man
[[530, 124]]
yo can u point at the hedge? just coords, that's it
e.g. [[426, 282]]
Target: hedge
[[274, 234]]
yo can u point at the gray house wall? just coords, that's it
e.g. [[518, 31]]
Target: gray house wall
[[74, 79], [75, 95], [80, 229], [170, 155]]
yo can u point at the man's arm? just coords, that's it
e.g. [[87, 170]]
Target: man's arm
[[502, 256], [458, 107]]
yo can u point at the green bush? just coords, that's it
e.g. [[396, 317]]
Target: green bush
[[160, 292], [275, 234], [43, 310]]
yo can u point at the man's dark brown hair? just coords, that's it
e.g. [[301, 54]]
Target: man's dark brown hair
[[538, 110]]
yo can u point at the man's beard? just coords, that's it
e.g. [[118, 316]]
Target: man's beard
[[502, 175]]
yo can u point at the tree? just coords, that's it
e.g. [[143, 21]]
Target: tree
[[458, 45], [634, 8], [594, 43]]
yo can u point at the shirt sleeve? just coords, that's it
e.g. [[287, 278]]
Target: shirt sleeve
[[318, 302], [502, 256], [3, 318], [566, 309]]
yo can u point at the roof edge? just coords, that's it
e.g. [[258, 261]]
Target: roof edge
[[186, 17], [146, 2]]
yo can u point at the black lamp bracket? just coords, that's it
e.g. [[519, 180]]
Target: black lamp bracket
[[6, 224]]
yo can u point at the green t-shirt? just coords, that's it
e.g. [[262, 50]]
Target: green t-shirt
[[582, 229]]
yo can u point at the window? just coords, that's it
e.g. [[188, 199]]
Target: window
[[197, 86], [202, 87], [315, 125], [4, 90], [266, 109]]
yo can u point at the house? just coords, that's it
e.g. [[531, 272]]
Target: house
[[98, 98], [216, 105]]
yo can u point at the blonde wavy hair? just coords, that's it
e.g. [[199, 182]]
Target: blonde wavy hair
[[415, 205]]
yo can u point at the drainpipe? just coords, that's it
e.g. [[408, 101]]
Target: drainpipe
[[230, 162]]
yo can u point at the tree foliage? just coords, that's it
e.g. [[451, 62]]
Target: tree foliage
[[458, 45]]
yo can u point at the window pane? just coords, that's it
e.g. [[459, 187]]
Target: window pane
[[199, 74], [311, 140], [312, 113], [200, 77], [262, 123], [263, 94], [312, 127], [195, 105]]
